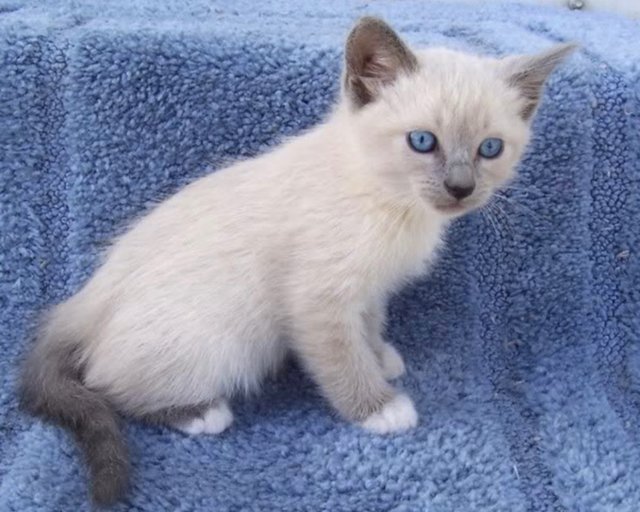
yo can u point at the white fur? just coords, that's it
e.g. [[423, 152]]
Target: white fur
[[215, 420], [202, 289], [397, 415], [204, 296], [192, 427]]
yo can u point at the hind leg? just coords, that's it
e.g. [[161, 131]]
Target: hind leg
[[212, 418], [216, 419]]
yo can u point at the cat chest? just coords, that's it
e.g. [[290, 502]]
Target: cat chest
[[405, 256]]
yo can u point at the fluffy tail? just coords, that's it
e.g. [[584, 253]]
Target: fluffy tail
[[52, 388]]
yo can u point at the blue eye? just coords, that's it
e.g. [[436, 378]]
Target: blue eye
[[491, 148], [422, 141]]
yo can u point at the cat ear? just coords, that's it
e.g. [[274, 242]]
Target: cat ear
[[528, 74], [374, 57]]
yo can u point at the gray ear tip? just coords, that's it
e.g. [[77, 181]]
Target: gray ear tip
[[369, 23], [370, 20]]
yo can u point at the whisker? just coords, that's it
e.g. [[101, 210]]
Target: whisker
[[487, 214], [522, 189], [501, 217], [516, 205]]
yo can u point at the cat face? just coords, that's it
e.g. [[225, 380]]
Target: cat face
[[439, 127]]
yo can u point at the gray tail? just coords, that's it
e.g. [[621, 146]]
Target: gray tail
[[52, 388]]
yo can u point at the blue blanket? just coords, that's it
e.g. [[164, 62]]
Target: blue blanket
[[522, 347]]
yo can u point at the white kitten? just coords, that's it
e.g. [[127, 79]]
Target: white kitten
[[295, 251]]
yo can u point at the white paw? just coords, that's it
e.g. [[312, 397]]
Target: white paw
[[391, 362], [217, 419], [395, 416], [192, 427]]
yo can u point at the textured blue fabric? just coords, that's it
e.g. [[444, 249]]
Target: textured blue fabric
[[523, 346]]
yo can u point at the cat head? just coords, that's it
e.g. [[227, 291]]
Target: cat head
[[436, 126]]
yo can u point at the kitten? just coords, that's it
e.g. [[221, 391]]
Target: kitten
[[295, 251]]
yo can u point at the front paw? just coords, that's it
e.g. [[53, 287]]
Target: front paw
[[391, 362], [397, 415]]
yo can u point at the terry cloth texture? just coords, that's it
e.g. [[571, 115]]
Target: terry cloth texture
[[522, 347]]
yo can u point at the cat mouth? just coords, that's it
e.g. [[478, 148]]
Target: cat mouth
[[452, 208], [459, 207]]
